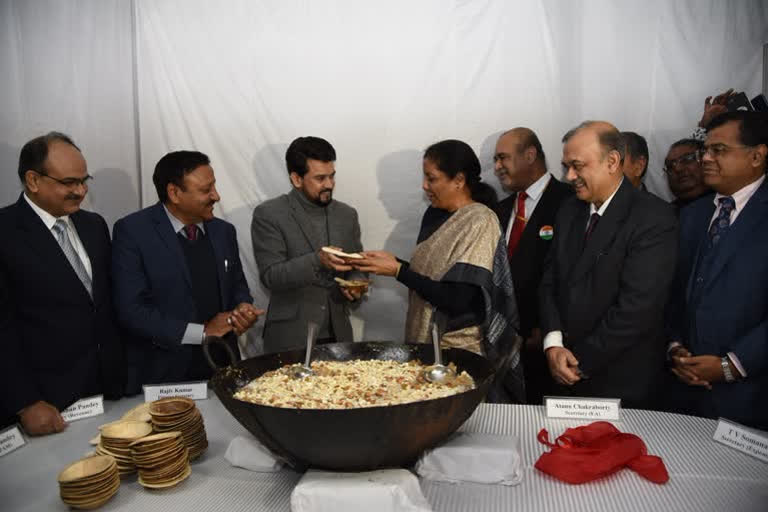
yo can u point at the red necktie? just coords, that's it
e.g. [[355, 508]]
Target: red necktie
[[191, 230], [518, 226]]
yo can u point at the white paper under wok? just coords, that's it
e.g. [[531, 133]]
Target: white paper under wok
[[387, 490], [477, 458], [248, 453]]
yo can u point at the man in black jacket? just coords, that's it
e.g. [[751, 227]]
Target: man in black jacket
[[607, 276], [527, 219], [56, 321]]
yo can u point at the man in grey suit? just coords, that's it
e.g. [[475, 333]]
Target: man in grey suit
[[288, 233]]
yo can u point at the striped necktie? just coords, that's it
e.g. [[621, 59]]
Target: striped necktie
[[62, 237]]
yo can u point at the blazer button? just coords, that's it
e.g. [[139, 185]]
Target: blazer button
[[699, 279]]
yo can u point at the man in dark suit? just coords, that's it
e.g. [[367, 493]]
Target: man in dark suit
[[718, 312], [635, 164], [288, 233], [527, 219], [684, 173], [607, 276], [59, 339], [178, 276]]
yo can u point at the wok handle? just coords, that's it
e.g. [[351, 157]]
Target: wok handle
[[207, 341]]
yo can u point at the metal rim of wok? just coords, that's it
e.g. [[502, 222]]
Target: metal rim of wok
[[356, 439]]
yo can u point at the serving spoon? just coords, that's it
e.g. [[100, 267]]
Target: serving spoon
[[303, 371], [438, 372]]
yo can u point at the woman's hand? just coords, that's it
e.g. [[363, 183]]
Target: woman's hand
[[377, 262]]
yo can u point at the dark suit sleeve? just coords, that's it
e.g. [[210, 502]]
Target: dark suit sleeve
[[240, 292], [644, 284], [133, 295], [276, 270], [752, 350], [549, 314], [18, 390]]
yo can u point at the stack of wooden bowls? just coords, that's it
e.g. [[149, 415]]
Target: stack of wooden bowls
[[89, 483], [116, 439], [162, 460], [180, 414]]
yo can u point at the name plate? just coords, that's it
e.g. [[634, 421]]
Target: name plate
[[193, 390], [11, 439], [583, 408], [84, 408], [742, 438]]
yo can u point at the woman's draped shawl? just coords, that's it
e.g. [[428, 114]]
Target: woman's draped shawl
[[469, 248]]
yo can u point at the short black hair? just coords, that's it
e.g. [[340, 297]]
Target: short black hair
[[35, 152], [695, 143], [173, 167], [636, 147], [753, 126], [610, 139], [304, 148]]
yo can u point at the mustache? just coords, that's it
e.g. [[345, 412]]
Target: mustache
[[577, 182], [73, 197]]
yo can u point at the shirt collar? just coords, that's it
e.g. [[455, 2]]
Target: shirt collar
[[601, 211], [177, 224], [48, 219], [743, 195], [538, 186]]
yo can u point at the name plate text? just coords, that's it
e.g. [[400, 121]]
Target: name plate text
[[193, 390], [742, 438], [11, 439], [583, 408], [84, 408]]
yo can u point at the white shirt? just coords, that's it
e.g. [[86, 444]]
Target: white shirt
[[194, 333], [555, 338], [49, 221], [534, 193]]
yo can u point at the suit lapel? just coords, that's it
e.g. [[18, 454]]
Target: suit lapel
[[605, 231], [217, 236], [504, 211], [165, 232], [303, 221], [45, 246], [702, 216], [747, 223], [545, 205]]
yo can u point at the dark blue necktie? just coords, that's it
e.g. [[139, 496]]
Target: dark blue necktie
[[722, 222]]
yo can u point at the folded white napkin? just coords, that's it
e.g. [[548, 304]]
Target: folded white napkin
[[248, 453], [477, 458], [386, 490]]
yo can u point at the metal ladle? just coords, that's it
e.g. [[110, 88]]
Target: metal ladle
[[438, 372], [302, 371]]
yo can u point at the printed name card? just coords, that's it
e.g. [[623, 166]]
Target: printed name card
[[11, 439], [742, 438], [84, 408], [193, 390], [582, 408]]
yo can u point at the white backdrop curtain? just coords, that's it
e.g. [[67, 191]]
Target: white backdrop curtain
[[240, 79]]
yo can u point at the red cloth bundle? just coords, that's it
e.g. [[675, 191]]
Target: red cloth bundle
[[586, 453]]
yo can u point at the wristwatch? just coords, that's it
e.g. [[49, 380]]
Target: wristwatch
[[727, 373]]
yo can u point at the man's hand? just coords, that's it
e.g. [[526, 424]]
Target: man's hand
[[684, 373], [333, 262], [707, 368], [715, 107], [41, 418], [243, 317], [219, 325], [378, 262], [563, 365], [353, 293]]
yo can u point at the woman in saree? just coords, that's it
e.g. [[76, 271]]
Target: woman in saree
[[459, 267]]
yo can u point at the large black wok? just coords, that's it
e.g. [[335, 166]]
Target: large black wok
[[353, 439]]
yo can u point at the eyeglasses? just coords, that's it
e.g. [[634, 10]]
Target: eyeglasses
[[675, 163], [717, 150], [70, 182]]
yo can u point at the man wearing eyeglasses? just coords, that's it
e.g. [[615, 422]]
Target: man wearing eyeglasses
[[57, 333], [684, 173], [718, 313]]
